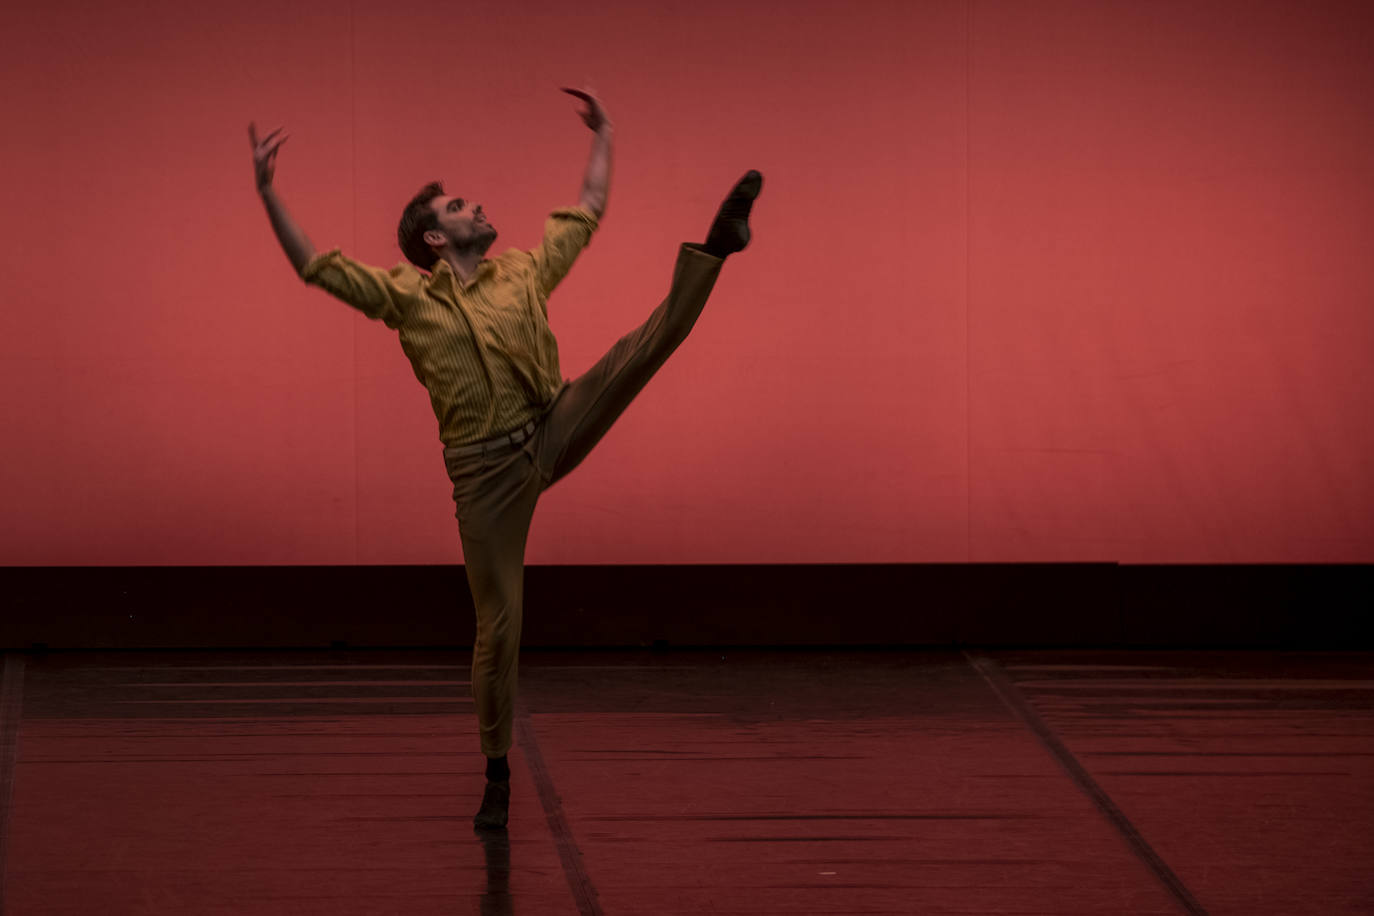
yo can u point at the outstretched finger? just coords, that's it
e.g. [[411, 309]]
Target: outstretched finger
[[273, 146], [261, 141]]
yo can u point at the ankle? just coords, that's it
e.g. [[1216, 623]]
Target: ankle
[[498, 769], [715, 248]]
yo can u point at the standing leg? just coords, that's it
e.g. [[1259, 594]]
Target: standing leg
[[495, 496]]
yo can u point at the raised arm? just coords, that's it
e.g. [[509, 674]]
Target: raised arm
[[596, 184], [292, 237]]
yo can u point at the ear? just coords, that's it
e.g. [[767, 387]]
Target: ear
[[435, 238]]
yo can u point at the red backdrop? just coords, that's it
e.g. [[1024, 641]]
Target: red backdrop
[[1031, 281]]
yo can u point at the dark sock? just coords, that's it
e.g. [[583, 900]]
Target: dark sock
[[717, 249], [498, 770]]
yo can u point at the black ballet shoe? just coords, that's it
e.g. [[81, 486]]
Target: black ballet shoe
[[495, 807], [730, 232]]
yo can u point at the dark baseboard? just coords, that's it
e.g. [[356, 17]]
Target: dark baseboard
[[853, 605]]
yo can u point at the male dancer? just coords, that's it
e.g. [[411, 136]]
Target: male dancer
[[476, 332]]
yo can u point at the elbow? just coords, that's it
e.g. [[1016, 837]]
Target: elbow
[[299, 260]]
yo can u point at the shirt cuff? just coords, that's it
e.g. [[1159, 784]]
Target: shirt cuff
[[579, 213], [316, 264]]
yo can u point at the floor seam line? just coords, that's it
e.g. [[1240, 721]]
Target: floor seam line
[[579, 882], [11, 713], [1006, 690]]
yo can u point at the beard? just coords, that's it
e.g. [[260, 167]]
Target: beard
[[482, 238]]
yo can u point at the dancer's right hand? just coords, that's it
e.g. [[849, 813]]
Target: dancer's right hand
[[265, 154]]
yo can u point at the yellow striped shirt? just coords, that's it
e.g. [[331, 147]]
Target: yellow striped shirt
[[482, 349]]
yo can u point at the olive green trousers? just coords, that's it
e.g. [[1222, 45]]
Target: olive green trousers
[[496, 483]]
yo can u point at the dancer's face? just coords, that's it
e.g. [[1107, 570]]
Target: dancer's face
[[462, 223]]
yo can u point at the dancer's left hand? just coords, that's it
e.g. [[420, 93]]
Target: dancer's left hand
[[595, 116]]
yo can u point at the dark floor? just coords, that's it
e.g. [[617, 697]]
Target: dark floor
[[720, 782]]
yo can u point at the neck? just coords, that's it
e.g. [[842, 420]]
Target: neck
[[464, 263]]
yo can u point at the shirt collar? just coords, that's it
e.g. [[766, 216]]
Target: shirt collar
[[441, 267]]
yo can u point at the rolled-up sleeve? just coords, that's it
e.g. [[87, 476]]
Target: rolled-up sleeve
[[383, 295], [566, 232]]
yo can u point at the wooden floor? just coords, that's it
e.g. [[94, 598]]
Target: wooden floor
[[798, 782]]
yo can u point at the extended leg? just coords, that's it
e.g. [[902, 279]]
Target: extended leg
[[589, 405]]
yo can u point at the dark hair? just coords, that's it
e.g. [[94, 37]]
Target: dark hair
[[419, 217]]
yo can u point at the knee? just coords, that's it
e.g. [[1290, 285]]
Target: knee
[[498, 622], [678, 324]]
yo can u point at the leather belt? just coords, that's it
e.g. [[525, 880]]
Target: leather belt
[[514, 437]]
